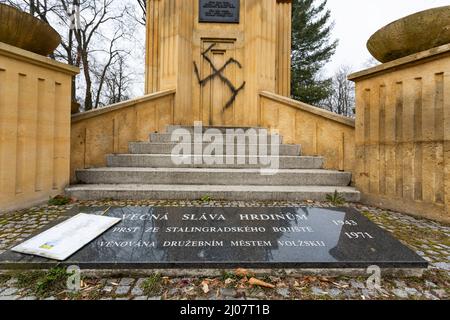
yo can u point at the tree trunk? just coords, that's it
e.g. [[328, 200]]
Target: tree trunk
[[88, 104], [32, 7]]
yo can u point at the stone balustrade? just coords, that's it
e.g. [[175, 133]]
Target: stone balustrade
[[109, 130], [318, 131], [35, 101], [403, 134]]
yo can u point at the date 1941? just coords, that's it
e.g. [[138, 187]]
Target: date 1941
[[228, 310]]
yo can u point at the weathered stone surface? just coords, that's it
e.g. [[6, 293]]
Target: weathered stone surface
[[228, 292], [122, 290], [334, 293], [22, 30], [9, 297], [415, 33], [400, 293], [9, 292], [108, 289], [318, 291], [443, 265], [126, 282], [284, 292], [137, 290], [357, 284]]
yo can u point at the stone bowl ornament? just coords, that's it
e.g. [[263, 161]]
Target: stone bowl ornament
[[412, 34], [20, 29]]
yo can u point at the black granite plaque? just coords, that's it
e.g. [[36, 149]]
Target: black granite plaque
[[219, 11], [173, 237]]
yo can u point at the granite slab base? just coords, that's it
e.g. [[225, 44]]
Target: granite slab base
[[150, 238]]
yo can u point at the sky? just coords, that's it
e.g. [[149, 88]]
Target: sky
[[356, 20]]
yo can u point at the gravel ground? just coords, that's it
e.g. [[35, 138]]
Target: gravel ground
[[429, 239]]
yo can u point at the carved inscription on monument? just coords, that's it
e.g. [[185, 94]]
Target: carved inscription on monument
[[215, 237], [219, 11]]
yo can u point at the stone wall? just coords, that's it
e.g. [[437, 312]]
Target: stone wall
[[403, 134], [319, 132], [100, 132], [35, 101]]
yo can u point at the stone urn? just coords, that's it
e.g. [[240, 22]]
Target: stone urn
[[412, 34], [20, 29]]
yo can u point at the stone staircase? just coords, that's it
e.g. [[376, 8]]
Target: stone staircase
[[148, 172]]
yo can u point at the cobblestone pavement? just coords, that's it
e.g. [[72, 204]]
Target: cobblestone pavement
[[429, 239]]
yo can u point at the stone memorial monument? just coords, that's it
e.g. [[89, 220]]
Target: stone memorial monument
[[218, 54], [227, 63], [218, 238]]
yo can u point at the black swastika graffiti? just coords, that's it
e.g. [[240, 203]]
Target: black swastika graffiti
[[219, 73]]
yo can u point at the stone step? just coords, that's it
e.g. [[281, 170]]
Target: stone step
[[167, 138], [167, 148], [172, 128], [216, 192], [206, 176], [165, 161]]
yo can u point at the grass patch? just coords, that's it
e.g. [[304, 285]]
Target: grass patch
[[107, 200], [153, 285], [206, 198], [229, 275], [43, 284], [441, 278], [27, 279], [336, 198], [59, 201], [4, 278]]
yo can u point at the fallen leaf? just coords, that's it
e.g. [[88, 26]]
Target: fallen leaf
[[89, 289], [342, 286], [205, 286], [257, 282], [184, 282], [309, 279], [241, 272], [229, 281]]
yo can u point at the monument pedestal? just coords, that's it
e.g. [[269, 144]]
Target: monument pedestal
[[218, 55]]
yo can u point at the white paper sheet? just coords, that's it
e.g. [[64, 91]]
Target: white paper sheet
[[63, 240]]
